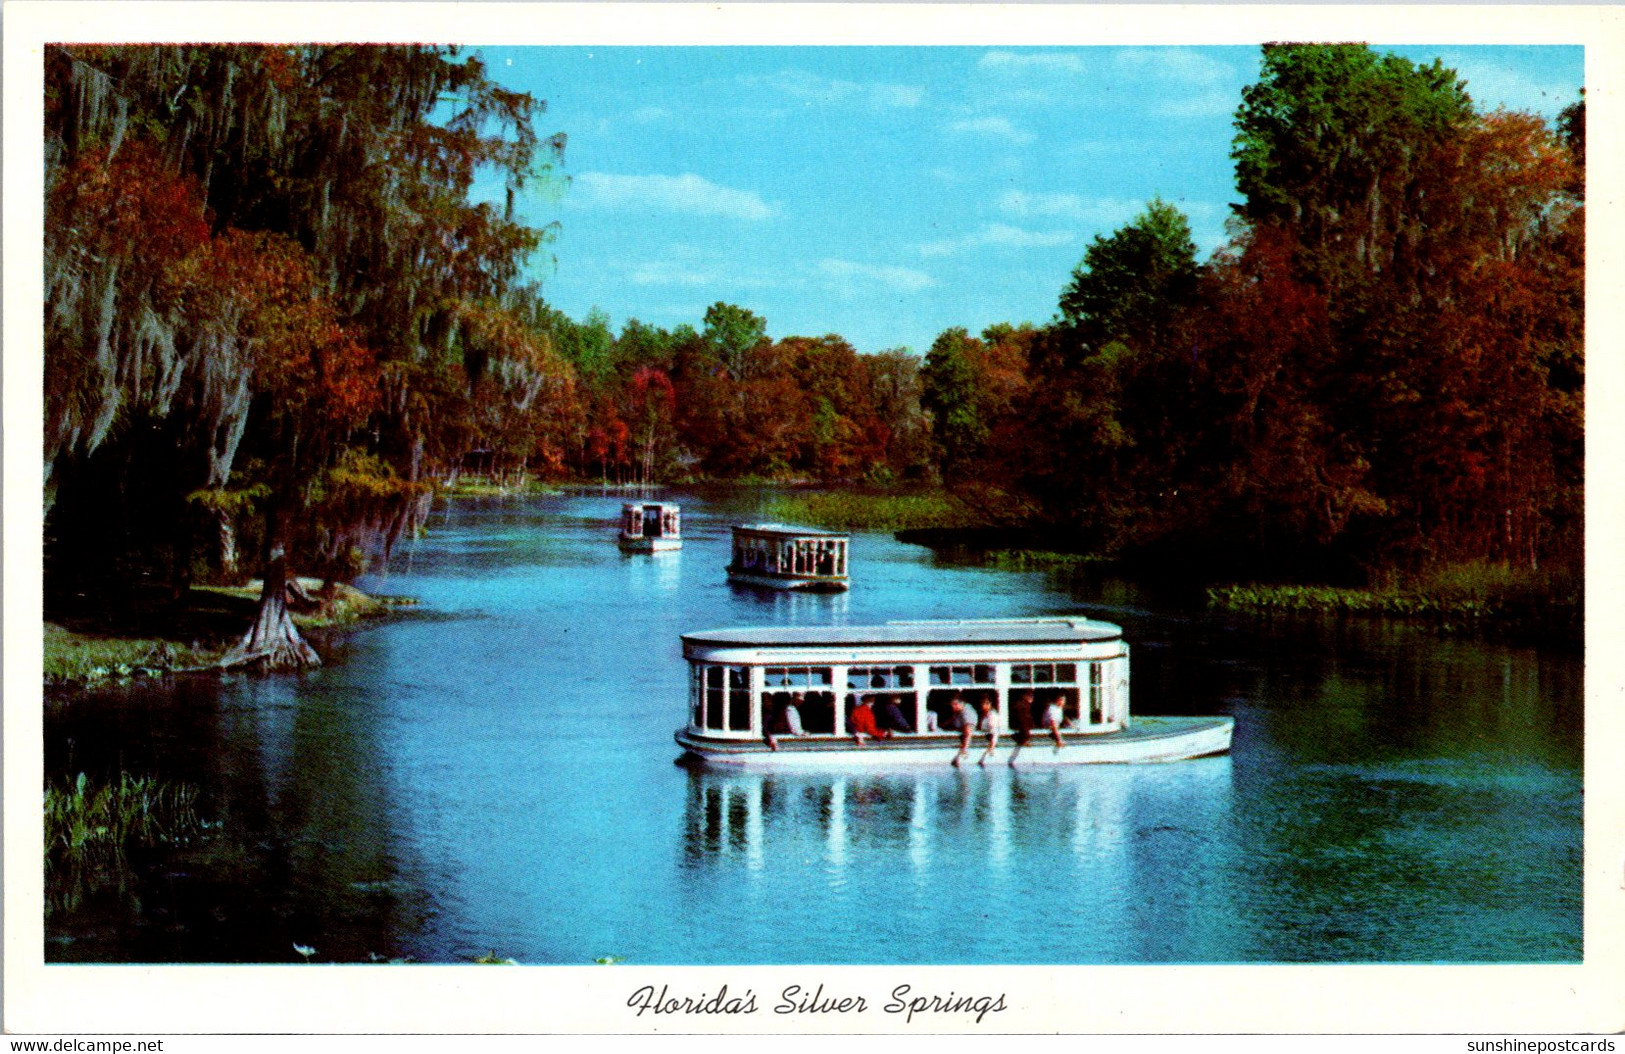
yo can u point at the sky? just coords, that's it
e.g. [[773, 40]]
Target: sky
[[886, 194]]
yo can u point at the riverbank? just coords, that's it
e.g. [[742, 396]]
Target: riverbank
[[466, 486], [1458, 598], [1473, 597], [190, 635], [870, 511]]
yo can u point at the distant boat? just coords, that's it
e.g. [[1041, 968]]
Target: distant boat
[[650, 527], [780, 556], [743, 682]]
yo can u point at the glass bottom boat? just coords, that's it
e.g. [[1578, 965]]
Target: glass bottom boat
[[1029, 692], [779, 556], [650, 528]]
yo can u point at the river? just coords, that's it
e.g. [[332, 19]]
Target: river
[[491, 772]]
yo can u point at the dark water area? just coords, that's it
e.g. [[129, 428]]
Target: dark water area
[[492, 771]]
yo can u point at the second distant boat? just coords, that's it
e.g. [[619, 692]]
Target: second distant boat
[[650, 527], [779, 556]]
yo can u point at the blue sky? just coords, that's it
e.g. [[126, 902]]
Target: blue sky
[[888, 193]]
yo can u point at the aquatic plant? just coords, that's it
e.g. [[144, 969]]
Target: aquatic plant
[[1469, 593], [82, 818], [89, 828], [1038, 560], [859, 511]]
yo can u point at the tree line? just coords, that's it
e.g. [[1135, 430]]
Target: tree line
[[1382, 369], [274, 318]]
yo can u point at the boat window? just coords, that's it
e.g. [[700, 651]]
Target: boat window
[[1044, 673], [961, 675], [722, 697], [861, 677], [697, 694], [714, 710], [738, 698], [1096, 695], [797, 677]]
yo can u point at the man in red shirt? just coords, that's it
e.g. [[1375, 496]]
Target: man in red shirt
[[863, 720]]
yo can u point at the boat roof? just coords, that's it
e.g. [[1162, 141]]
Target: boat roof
[[650, 505], [1053, 630], [788, 528]]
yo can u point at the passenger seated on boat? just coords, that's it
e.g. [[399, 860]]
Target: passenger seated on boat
[[785, 719], [990, 724], [789, 716], [892, 716], [863, 721], [1021, 720], [1021, 715], [1055, 716], [818, 713], [962, 719]]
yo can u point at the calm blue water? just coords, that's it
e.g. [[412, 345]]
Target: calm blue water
[[493, 772]]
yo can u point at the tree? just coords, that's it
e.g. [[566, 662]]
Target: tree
[[734, 333], [361, 156], [1127, 283], [1331, 140], [894, 393], [949, 395], [651, 413]]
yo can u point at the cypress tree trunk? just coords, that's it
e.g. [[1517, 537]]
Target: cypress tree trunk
[[273, 640]]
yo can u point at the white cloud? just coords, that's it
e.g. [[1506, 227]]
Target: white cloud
[[671, 272], [998, 236], [1027, 62], [996, 127], [687, 266], [1183, 81], [847, 273], [687, 193], [1185, 66], [1092, 211], [809, 87]]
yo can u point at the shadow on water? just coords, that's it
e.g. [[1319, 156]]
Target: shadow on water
[[297, 846]]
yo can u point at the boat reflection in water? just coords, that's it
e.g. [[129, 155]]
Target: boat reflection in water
[[953, 820], [1082, 864]]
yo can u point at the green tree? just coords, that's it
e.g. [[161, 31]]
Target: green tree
[[734, 333], [1331, 141], [1129, 281], [948, 393]]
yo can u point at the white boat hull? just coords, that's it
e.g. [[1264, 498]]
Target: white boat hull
[[650, 545], [806, 583], [1149, 740]]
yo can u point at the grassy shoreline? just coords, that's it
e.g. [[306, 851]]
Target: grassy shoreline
[[1457, 597], [486, 487], [864, 511], [191, 637]]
